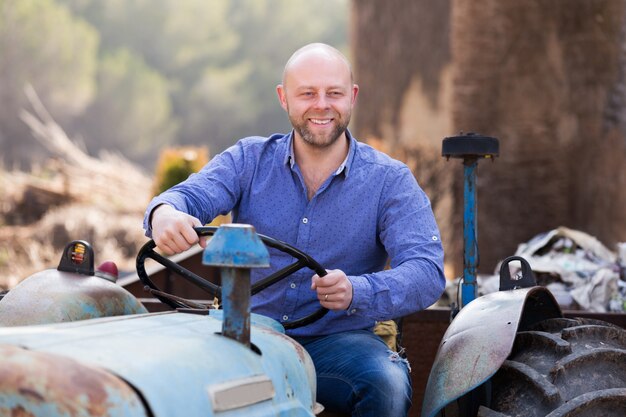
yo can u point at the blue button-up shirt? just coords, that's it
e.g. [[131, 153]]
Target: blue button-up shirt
[[369, 211]]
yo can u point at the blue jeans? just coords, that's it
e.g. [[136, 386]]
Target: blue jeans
[[358, 374]]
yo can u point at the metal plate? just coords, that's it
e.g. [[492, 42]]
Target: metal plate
[[479, 340]]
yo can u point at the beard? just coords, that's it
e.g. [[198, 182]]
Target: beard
[[320, 140]]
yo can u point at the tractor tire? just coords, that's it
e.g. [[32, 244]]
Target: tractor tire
[[562, 368]]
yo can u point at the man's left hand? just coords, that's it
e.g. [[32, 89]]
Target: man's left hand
[[334, 290]]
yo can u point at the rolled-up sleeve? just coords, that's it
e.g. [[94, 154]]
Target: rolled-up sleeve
[[212, 191], [409, 233]]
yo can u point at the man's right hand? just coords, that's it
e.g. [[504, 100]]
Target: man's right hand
[[172, 230]]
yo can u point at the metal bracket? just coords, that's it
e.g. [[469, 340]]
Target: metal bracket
[[526, 280]]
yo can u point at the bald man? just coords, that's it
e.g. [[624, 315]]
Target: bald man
[[349, 206]]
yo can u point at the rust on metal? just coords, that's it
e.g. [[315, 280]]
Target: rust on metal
[[65, 296], [236, 248], [479, 340], [236, 293], [35, 383]]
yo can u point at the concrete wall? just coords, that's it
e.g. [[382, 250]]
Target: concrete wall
[[546, 77]]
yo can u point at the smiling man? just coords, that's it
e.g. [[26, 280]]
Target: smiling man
[[349, 206], [318, 94]]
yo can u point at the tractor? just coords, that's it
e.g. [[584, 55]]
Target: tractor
[[73, 342], [512, 353]]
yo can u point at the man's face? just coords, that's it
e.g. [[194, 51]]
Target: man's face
[[318, 96]]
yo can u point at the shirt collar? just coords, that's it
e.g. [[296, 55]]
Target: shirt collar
[[290, 157]]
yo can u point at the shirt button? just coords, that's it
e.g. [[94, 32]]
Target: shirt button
[[305, 220], [353, 311], [293, 285], [285, 317], [434, 237]]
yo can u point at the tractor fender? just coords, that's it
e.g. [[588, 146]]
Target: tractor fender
[[38, 383], [479, 340], [73, 291], [54, 296]]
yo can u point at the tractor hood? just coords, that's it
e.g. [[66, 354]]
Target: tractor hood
[[177, 363], [54, 296], [73, 291], [479, 340]]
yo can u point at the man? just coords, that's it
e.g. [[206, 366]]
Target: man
[[350, 207]]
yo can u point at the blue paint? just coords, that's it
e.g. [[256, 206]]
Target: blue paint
[[466, 353], [470, 148], [470, 233], [44, 392], [255, 320], [236, 304], [173, 358], [236, 246], [53, 296], [179, 363]]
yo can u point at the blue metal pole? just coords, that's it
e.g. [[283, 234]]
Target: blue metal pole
[[470, 236], [470, 148], [235, 249], [236, 303]]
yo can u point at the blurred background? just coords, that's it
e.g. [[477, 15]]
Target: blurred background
[[135, 76], [97, 98]]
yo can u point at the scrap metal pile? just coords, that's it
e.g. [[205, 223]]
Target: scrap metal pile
[[580, 271]]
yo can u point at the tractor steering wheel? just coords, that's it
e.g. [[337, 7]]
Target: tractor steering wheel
[[303, 260]]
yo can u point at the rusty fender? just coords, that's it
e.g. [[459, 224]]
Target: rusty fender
[[42, 384], [480, 339]]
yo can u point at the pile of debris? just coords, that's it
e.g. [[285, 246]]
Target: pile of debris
[[581, 272], [71, 196]]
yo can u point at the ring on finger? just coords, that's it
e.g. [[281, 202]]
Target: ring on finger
[[326, 297]]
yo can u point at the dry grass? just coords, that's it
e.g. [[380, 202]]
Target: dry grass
[[71, 196]]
